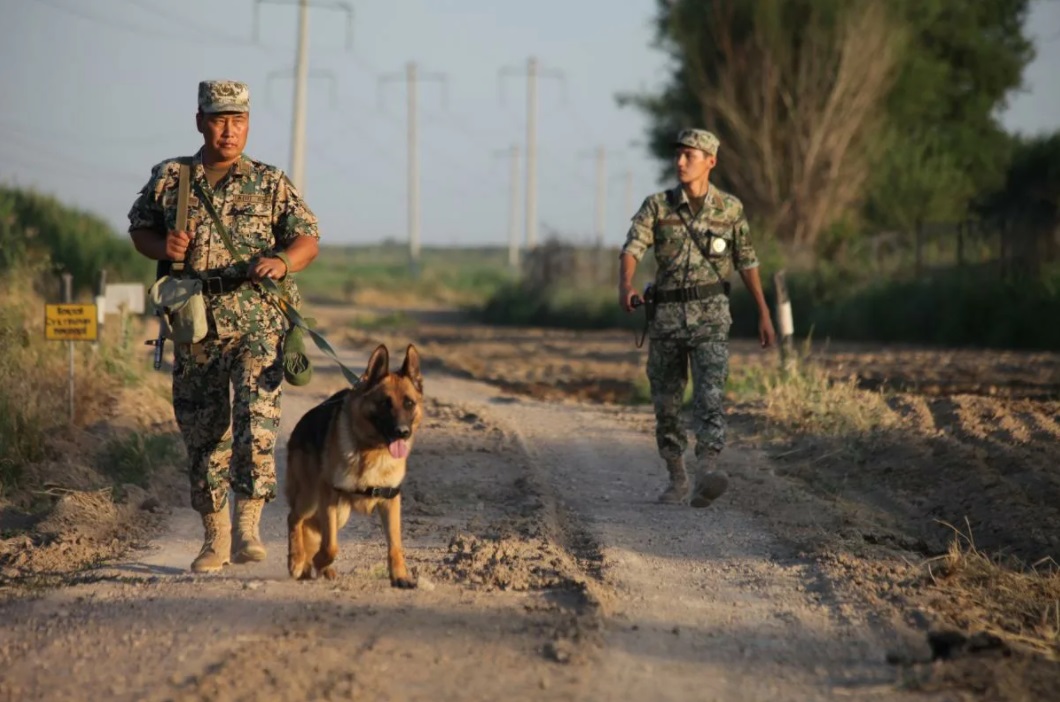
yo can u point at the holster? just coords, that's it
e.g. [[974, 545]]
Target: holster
[[649, 303]]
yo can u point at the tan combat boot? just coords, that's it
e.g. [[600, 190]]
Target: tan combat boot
[[677, 492], [248, 540], [217, 543], [711, 485]]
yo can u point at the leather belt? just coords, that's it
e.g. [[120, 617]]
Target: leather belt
[[216, 285], [698, 292]]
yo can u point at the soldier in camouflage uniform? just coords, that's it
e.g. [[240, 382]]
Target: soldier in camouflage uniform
[[229, 443], [699, 234]]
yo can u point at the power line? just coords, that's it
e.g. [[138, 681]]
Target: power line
[[201, 30], [59, 163], [112, 22], [53, 135]]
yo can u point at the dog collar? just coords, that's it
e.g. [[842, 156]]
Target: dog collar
[[386, 493]]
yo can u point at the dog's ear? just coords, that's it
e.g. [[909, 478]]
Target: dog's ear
[[378, 366], [411, 367]]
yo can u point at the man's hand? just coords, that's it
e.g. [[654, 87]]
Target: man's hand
[[273, 268], [177, 245], [626, 293], [766, 335]]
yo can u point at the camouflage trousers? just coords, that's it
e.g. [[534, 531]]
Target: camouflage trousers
[[668, 364], [226, 399]]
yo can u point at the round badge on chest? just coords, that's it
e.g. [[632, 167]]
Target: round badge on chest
[[718, 245]]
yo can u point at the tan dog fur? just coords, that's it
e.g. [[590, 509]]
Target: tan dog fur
[[341, 446]]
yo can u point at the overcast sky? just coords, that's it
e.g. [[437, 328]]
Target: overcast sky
[[96, 91]]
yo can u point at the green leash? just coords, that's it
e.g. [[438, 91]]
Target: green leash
[[281, 300]]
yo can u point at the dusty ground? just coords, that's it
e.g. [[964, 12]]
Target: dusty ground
[[547, 572]]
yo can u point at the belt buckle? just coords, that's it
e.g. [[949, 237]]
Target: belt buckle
[[214, 285]]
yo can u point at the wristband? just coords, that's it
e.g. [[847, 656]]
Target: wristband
[[286, 262]]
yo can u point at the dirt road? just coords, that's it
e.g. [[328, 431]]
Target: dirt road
[[546, 572]]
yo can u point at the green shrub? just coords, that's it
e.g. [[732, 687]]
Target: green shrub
[[74, 241], [134, 458]]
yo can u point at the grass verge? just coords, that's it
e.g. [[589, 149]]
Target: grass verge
[[1000, 595]]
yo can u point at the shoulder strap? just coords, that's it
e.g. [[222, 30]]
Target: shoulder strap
[[702, 251], [183, 183], [279, 298], [222, 231]]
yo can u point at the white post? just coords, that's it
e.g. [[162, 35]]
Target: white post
[[785, 321]]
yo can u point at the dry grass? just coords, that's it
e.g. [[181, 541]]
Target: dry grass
[[77, 491], [1017, 602], [806, 400], [35, 423]]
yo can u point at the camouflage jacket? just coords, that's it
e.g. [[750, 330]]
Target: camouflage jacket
[[680, 263], [263, 214]]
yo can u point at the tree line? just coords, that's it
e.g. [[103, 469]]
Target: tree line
[[838, 117]]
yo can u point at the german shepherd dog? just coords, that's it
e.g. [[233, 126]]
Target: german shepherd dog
[[348, 454]]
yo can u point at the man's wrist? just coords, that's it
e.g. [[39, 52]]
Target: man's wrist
[[286, 262]]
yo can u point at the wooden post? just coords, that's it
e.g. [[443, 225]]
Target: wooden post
[[68, 297], [785, 321], [123, 312], [101, 305]]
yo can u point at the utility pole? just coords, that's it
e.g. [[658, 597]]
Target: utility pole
[[533, 71], [411, 78], [531, 153], [301, 76], [601, 195], [301, 71], [413, 170], [600, 216], [512, 154], [627, 198]]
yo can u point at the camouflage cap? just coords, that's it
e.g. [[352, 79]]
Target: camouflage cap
[[223, 96], [698, 139]]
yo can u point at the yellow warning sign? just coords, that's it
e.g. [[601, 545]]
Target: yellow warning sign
[[70, 323]]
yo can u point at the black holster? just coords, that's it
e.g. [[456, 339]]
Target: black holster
[[649, 303]]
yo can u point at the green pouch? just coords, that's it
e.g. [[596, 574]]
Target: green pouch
[[183, 308], [297, 368]]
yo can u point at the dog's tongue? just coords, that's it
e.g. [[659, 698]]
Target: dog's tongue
[[399, 448]]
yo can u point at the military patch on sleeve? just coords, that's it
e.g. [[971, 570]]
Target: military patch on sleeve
[[250, 198]]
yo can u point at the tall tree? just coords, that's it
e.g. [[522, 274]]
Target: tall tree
[[945, 145], [832, 107], [794, 90]]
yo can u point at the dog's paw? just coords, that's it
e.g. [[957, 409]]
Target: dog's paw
[[403, 583], [329, 573], [300, 571]]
